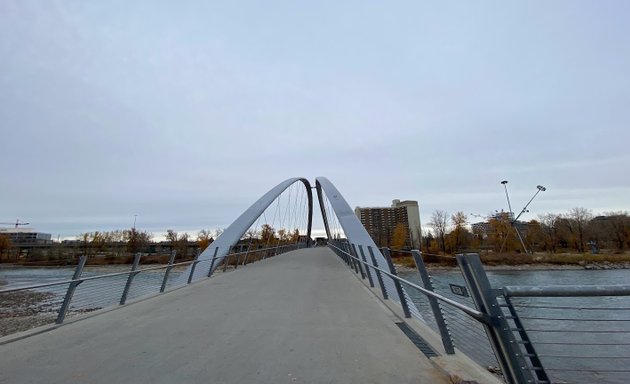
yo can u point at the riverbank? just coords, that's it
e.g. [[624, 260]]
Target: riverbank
[[517, 261], [23, 310]]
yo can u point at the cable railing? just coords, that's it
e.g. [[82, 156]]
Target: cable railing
[[581, 333], [531, 335], [27, 306]]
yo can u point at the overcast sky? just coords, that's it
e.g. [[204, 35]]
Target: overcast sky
[[185, 113]]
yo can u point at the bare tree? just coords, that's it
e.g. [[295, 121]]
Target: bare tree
[[576, 223], [549, 226], [439, 223], [618, 228]]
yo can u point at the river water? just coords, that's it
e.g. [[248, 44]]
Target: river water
[[558, 327]]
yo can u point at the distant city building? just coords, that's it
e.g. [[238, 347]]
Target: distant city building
[[20, 236], [380, 222]]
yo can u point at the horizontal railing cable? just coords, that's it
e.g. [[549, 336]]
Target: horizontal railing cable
[[469, 311]]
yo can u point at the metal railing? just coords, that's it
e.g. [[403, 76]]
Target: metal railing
[[28, 306], [580, 333], [529, 347]]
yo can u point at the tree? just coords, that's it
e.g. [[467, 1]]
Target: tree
[[575, 223], [618, 229], [295, 236], [203, 239], [399, 238], [136, 240], [5, 245], [535, 236], [501, 234], [439, 223], [549, 227], [459, 237], [282, 235], [178, 242], [86, 245], [267, 235]]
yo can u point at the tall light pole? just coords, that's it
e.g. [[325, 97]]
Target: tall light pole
[[134, 221], [513, 219], [504, 182]]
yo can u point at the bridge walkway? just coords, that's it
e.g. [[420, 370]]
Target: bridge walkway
[[299, 317]]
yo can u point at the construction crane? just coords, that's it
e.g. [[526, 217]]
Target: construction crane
[[17, 223]]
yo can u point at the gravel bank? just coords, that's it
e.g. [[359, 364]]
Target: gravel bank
[[23, 310]]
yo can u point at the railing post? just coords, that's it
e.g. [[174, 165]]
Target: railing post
[[226, 259], [245, 258], [367, 269], [349, 255], [136, 261], [193, 266], [399, 289], [214, 257], [447, 340], [71, 288], [379, 277], [343, 254], [354, 252], [503, 342], [338, 251], [171, 261]]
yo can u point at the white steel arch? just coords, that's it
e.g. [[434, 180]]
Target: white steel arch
[[221, 246]]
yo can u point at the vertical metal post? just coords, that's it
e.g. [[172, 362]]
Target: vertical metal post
[[246, 254], [171, 261], [349, 255], [367, 269], [237, 256], [71, 288], [193, 266], [540, 372], [337, 247], [214, 257], [344, 254], [136, 261], [399, 289], [226, 259], [503, 342], [355, 254], [447, 340], [379, 277]]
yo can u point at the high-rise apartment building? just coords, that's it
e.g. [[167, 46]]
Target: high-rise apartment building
[[380, 222]]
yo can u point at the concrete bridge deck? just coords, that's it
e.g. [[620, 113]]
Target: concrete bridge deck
[[296, 318]]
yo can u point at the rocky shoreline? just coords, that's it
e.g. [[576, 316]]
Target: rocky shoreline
[[23, 310]]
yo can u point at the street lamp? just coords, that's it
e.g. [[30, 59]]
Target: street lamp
[[504, 182], [134, 221], [539, 188]]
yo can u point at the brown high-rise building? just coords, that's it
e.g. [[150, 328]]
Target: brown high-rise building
[[380, 222]]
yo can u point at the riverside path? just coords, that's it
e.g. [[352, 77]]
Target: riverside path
[[293, 318]]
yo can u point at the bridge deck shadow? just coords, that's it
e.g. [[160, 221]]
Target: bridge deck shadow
[[297, 318]]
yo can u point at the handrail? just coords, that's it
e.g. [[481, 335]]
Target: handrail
[[469, 311], [566, 290], [62, 282], [114, 274]]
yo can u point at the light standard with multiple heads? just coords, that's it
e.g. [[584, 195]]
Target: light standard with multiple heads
[[539, 188]]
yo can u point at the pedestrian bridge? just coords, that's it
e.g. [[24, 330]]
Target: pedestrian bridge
[[293, 318], [290, 312]]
